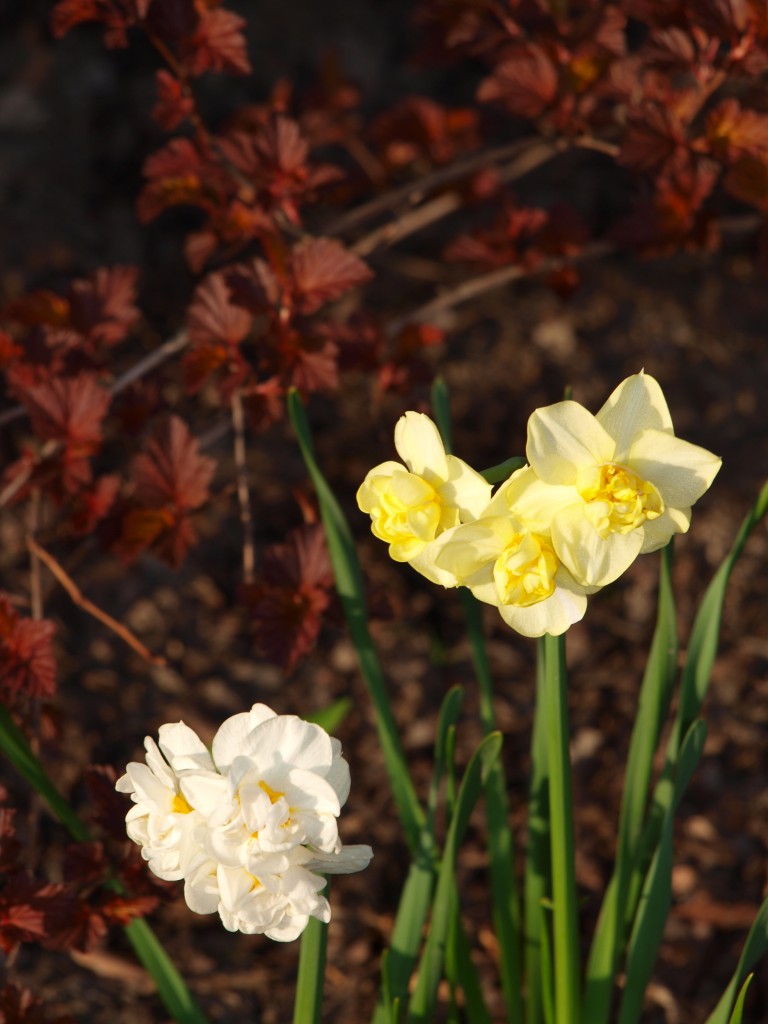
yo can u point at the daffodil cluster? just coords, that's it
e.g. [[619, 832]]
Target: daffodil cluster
[[598, 491], [250, 826]]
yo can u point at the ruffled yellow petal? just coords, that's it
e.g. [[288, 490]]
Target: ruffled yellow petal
[[658, 533], [474, 545], [420, 446], [593, 560], [567, 605], [681, 471], [564, 438], [637, 404], [464, 489]]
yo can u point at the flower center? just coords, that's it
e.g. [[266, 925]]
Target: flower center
[[181, 805], [524, 572], [273, 794], [407, 514], [618, 500]]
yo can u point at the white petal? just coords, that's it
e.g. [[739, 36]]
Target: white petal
[[592, 560], [183, 748], [345, 862], [288, 740], [207, 792], [637, 404], [338, 773], [289, 927], [564, 438], [231, 737], [420, 446], [680, 471]]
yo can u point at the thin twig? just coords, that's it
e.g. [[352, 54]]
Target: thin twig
[[243, 494], [414, 191], [88, 606], [159, 355], [12, 489], [494, 279]]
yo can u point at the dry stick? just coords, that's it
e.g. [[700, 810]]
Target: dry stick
[[88, 606], [243, 494], [443, 205], [11, 489], [495, 279]]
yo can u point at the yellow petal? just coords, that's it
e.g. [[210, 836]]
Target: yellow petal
[[474, 545], [680, 471], [564, 438], [658, 532], [465, 489], [591, 559], [426, 563], [531, 501], [637, 404], [369, 490], [567, 605], [419, 445]]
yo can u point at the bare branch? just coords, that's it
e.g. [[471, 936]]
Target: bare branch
[[88, 606], [489, 282], [243, 494]]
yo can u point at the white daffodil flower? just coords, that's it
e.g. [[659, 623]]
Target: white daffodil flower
[[506, 558], [632, 481], [247, 824], [162, 821], [411, 505]]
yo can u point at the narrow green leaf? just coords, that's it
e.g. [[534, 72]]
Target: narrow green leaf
[[308, 1002], [422, 1008], [462, 973], [178, 1000], [349, 584], [653, 709], [656, 899], [330, 718], [449, 716], [738, 1011], [755, 947], [505, 900], [171, 988], [503, 471]]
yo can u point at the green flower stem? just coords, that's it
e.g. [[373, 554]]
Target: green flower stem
[[178, 1000], [349, 585], [566, 935], [506, 900], [308, 1003]]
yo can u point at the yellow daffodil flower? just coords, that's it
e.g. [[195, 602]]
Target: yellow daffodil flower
[[507, 559], [632, 482], [412, 505]]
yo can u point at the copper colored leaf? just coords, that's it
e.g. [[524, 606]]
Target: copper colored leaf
[[286, 623], [66, 409], [92, 504], [123, 910], [213, 317], [103, 307], [107, 805], [173, 104], [324, 270], [302, 559], [525, 83], [652, 137], [218, 44], [20, 1006], [171, 471], [731, 129], [27, 662]]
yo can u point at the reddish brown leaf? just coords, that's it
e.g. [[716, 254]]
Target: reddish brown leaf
[[218, 44], [27, 662], [173, 104], [732, 129], [653, 136], [20, 1006], [287, 606], [92, 504], [525, 83], [68, 409], [107, 805], [213, 317], [103, 307], [172, 471], [323, 270]]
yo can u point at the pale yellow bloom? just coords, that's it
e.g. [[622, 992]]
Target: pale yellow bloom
[[412, 505], [632, 482], [506, 558]]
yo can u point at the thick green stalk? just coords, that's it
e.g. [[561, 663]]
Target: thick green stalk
[[565, 922], [308, 1003]]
